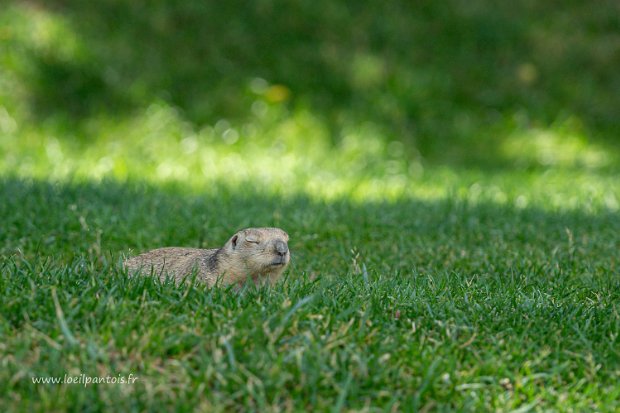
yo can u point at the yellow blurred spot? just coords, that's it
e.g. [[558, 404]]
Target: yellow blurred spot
[[527, 73], [277, 93]]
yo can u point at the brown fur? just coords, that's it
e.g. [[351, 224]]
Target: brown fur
[[259, 254]]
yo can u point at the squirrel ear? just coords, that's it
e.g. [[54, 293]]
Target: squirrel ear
[[234, 240]]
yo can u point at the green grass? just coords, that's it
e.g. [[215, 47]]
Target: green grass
[[449, 304], [448, 174]]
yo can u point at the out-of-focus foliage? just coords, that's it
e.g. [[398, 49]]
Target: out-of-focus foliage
[[522, 83]]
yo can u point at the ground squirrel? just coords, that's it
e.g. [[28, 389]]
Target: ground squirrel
[[260, 254]]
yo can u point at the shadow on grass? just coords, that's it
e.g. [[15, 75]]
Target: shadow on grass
[[432, 75]]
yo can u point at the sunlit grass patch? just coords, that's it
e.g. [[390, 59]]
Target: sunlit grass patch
[[563, 144], [291, 152]]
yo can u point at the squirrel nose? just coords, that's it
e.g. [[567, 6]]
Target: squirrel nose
[[281, 247]]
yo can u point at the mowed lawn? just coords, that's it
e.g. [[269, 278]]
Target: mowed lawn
[[450, 304], [448, 172]]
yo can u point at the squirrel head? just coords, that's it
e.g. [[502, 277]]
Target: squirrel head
[[263, 252]]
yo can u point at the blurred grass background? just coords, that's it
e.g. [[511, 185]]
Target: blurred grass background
[[347, 98]]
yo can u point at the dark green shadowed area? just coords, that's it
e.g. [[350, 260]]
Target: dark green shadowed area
[[448, 173]]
